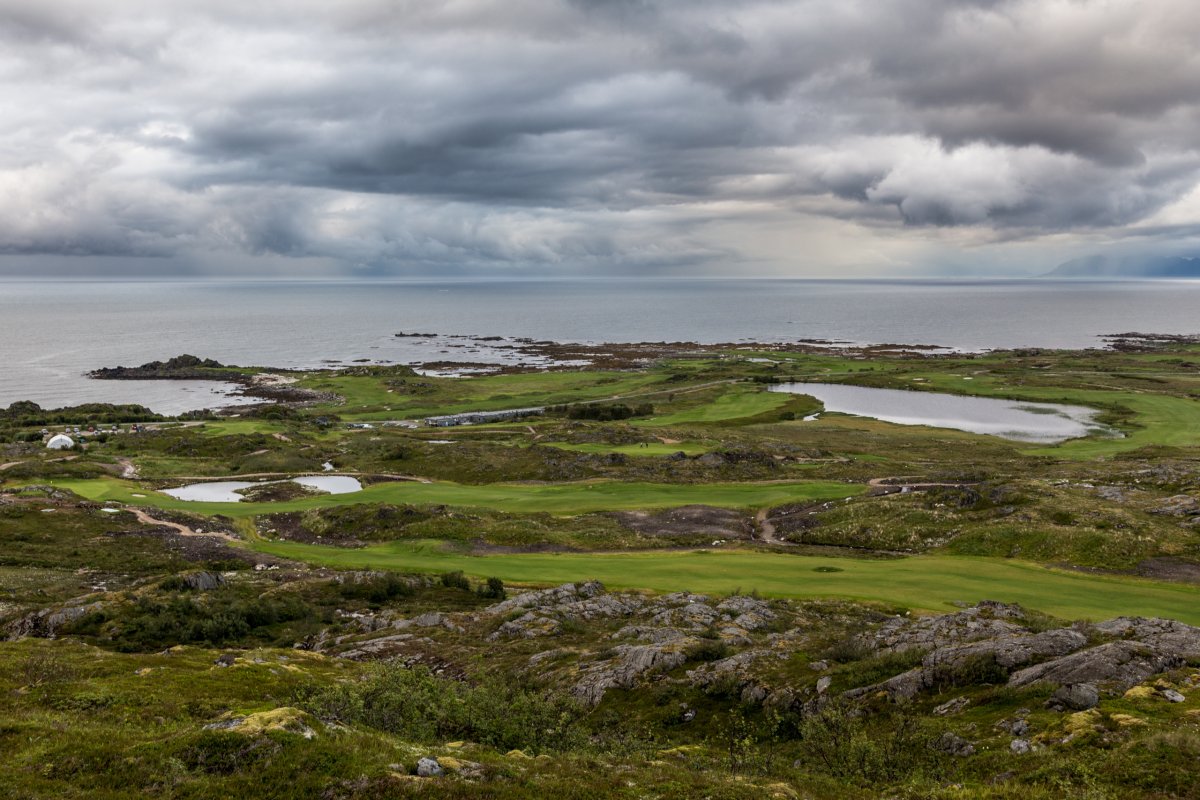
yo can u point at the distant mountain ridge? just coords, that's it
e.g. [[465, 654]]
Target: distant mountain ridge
[[1128, 267]]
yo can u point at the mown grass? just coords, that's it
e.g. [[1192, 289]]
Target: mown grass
[[639, 449], [563, 499], [369, 397], [920, 582], [737, 402]]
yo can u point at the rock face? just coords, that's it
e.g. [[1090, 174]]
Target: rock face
[[986, 620], [1006, 651], [46, 623], [1119, 664], [203, 581], [627, 667], [1165, 634], [1181, 505]]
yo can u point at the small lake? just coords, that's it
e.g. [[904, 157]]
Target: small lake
[[1044, 423], [226, 491]]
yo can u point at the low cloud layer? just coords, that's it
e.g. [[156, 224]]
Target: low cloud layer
[[796, 137]]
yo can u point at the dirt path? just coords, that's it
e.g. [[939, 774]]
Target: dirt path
[[10, 464], [766, 529], [183, 530]]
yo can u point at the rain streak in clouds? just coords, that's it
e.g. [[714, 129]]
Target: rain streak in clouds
[[802, 137]]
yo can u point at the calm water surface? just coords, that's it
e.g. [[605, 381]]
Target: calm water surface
[[1009, 419], [226, 491], [51, 333]]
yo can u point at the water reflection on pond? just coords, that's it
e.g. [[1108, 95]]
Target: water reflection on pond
[[226, 491], [1044, 423]]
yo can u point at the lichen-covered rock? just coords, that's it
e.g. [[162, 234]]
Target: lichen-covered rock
[[545, 598], [953, 744], [986, 620], [203, 581], [628, 665], [1010, 650], [572, 602], [46, 623], [285, 719], [1168, 635], [1120, 664], [429, 768], [1006, 651], [1181, 505], [1074, 697]]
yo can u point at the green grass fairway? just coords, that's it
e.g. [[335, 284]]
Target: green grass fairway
[[920, 582], [736, 403], [564, 499], [370, 399]]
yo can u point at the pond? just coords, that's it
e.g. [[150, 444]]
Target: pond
[[1044, 423], [226, 491]]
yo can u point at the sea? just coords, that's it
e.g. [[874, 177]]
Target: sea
[[53, 332]]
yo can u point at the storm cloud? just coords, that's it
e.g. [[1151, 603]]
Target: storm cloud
[[804, 136]]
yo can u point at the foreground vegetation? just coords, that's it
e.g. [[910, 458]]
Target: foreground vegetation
[[316, 645]]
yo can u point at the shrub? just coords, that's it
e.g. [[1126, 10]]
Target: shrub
[[493, 589], [424, 707], [456, 580], [844, 742]]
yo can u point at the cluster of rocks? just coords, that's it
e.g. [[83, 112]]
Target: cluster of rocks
[[1070, 659], [735, 641]]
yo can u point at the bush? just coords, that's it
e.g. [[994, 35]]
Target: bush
[[493, 589], [376, 589], [844, 742], [456, 580], [423, 707]]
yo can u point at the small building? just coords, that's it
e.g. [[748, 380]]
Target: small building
[[60, 442], [482, 417]]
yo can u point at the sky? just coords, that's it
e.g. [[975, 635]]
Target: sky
[[595, 137]]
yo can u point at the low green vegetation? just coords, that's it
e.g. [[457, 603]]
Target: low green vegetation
[[926, 582], [566, 499], [761, 570]]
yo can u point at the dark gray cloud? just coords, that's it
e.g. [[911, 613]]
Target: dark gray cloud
[[588, 135]]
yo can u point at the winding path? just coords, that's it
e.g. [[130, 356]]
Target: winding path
[[182, 529]]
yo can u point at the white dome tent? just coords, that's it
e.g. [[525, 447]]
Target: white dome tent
[[60, 442]]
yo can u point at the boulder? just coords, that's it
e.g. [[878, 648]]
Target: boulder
[[1019, 746], [203, 581], [429, 768], [953, 744], [1075, 697]]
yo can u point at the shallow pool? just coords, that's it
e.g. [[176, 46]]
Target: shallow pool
[[1010, 419], [226, 491]]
